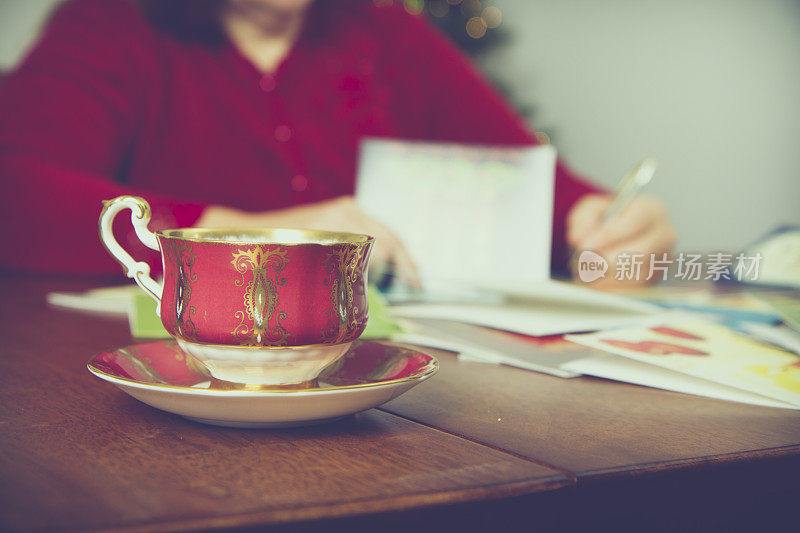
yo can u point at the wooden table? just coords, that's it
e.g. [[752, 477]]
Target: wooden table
[[477, 447]]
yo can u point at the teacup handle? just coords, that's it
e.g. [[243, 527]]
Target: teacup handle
[[140, 217]]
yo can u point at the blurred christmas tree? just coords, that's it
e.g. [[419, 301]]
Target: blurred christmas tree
[[473, 25], [476, 27]]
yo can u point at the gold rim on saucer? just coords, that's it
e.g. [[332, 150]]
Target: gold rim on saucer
[[430, 367]]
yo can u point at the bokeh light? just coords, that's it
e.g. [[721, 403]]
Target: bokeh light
[[542, 137], [476, 27], [492, 16], [415, 7], [480, 18]]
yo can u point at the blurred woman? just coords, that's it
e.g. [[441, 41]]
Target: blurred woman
[[244, 113]]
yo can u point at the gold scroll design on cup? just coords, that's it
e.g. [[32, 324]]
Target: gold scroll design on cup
[[343, 266], [180, 254], [260, 296]]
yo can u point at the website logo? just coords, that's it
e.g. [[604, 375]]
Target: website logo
[[591, 266]]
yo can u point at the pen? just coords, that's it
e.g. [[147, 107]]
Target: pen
[[627, 189], [630, 185]]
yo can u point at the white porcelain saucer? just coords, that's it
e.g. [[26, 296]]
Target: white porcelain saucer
[[161, 375]]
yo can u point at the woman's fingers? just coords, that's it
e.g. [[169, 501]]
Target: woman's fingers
[[657, 240], [644, 236], [629, 262], [389, 251], [643, 228], [584, 219], [634, 220]]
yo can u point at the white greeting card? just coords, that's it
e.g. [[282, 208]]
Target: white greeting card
[[468, 215]]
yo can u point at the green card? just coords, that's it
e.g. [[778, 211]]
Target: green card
[[380, 325], [142, 317], [145, 324]]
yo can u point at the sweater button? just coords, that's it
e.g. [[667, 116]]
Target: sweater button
[[283, 133], [299, 183], [267, 83]]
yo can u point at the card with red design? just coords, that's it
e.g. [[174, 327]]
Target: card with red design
[[707, 351]]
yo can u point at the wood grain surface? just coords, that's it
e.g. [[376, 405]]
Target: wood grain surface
[[77, 453], [478, 447], [593, 427]]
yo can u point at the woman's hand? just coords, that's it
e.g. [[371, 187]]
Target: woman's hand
[[338, 214], [643, 227]]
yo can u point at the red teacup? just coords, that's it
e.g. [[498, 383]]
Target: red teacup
[[259, 306]]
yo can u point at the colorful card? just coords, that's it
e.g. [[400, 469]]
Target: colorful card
[[707, 351]]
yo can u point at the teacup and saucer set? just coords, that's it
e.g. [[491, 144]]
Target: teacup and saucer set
[[265, 325]]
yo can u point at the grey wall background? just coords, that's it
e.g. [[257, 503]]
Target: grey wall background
[[20, 21], [709, 87]]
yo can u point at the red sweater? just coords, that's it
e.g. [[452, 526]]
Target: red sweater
[[106, 104]]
